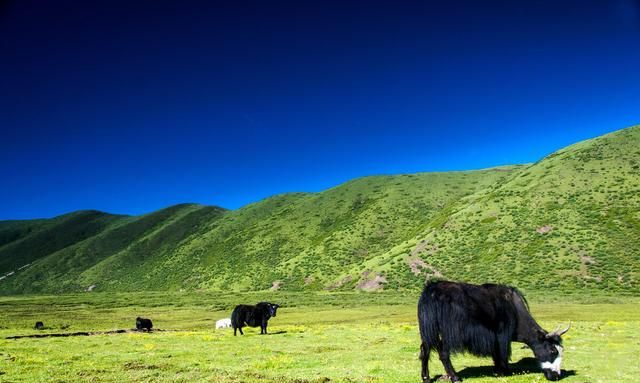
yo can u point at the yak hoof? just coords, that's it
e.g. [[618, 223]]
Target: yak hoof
[[502, 372]]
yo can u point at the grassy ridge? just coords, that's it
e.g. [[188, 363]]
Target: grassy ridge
[[23, 242], [124, 243], [568, 222], [305, 241]]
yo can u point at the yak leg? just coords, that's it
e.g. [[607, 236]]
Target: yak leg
[[445, 358], [424, 357], [240, 328], [501, 356], [234, 331], [263, 327], [499, 365]]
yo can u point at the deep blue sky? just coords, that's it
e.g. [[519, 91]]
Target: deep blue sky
[[129, 108]]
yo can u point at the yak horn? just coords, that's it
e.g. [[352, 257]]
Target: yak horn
[[559, 332]]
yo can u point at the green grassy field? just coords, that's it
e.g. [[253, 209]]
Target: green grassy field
[[316, 337]]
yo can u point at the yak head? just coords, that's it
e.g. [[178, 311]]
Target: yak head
[[272, 309], [548, 350]]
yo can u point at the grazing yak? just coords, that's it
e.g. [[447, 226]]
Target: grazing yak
[[482, 320], [253, 316], [223, 323], [143, 324], [39, 326]]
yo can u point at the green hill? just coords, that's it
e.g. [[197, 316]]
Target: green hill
[[23, 242], [570, 221], [121, 248]]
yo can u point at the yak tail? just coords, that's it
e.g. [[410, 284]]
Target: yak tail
[[428, 319], [236, 321]]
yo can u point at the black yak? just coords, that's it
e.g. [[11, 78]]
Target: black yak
[[39, 326], [482, 320], [143, 324], [253, 316]]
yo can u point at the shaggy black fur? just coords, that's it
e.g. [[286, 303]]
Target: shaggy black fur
[[143, 324], [253, 316], [482, 320]]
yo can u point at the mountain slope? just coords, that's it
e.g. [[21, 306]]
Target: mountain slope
[[23, 242], [136, 239], [299, 239], [570, 221], [302, 240]]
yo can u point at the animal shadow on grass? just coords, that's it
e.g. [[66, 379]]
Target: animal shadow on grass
[[523, 366], [269, 333], [277, 333]]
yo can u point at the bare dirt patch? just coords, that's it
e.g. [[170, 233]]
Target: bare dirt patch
[[367, 283], [420, 267], [339, 283], [587, 260], [276, 285], [544, 229]]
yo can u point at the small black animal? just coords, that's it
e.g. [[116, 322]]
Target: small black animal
[[39, 326], [143, 324], [482, 320], [253, 316]]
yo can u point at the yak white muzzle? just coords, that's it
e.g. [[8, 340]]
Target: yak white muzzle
[[552, 370]]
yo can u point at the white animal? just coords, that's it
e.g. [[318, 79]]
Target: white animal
[[223, 323]]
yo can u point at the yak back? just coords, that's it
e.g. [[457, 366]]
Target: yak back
[[468, 318]]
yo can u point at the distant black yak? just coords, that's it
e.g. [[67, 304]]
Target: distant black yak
[[39, 326], [482, 320], [143, 324], [253, 316]]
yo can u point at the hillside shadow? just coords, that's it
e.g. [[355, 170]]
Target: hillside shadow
[[521, 367]]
